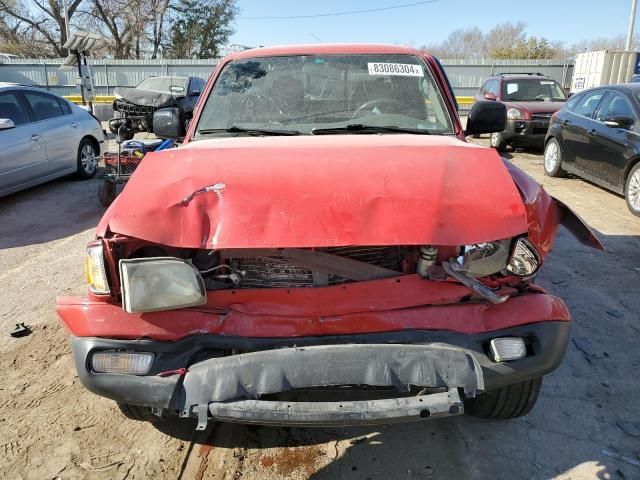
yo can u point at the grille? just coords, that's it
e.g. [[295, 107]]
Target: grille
[[541, 116], [265, 272], [131, 109]]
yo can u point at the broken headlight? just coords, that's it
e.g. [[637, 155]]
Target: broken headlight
[[525, 260], [511, 257], [95, 269], [160, 283], [484, 259]]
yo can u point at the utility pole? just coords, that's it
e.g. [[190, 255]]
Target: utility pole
[[632, 21]]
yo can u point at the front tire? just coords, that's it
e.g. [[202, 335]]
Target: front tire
[[498, 142], [87, 160], [632, 190], [505, 403], [553, 159], [107, 192], [139, 413]]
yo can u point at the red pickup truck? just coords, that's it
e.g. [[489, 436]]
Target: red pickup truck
[[323, 249]]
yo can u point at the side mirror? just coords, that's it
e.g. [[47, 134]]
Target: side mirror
[[195, 93], [490, 96], [169, 123], [619, 121], [486, 117], [6, 123]]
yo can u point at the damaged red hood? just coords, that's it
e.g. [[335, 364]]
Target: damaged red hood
[[315, 191]]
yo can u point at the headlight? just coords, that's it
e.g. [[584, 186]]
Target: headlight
[[485, 258], [95, 270], [489, 258], [162, 283], [525, 260], [515, 114]]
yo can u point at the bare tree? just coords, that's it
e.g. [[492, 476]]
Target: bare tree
[[46, 20], [461, 43]]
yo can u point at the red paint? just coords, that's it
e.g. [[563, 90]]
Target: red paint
[[316, 191], [328, 191], [84, 318]]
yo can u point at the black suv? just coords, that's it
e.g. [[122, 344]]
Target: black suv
[[530, 98]]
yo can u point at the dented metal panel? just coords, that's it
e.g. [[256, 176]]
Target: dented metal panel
[[317, 192]]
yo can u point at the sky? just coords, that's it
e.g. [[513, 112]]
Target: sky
[[567, 20]]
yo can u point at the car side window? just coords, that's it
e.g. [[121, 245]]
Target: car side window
[[615, 105], [11, 108], [66, 108], [44, 106], [490, 86], [588, 103], [196, 87]]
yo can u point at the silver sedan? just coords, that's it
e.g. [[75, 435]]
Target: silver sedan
[[42, 137]]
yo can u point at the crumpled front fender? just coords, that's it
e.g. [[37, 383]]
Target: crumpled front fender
[[545, 213]]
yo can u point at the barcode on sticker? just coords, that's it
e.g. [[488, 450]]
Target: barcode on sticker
[[404, 69]]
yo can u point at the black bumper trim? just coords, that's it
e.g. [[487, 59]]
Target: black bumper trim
[[547, 343]]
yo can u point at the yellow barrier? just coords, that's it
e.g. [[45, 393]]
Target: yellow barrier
[[99, 98], [110, 99]]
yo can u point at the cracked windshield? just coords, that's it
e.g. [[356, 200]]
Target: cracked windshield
[[325, 94]]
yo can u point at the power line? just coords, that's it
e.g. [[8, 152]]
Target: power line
[[336, 14]]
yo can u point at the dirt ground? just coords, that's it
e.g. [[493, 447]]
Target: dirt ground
[[585, 425]]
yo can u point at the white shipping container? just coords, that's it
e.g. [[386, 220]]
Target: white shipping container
[[604, 67]]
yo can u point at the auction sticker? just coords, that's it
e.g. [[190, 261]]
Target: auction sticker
[[403, 69]]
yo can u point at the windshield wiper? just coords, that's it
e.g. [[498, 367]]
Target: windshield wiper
[[359, 128], [248, 131]]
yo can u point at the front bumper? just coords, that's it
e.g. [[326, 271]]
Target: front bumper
[[234, 387], [526, 132]]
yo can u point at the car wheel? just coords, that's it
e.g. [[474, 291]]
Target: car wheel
[[87, 159], [107, 192], [553, 159], [506, 402], [497, 141], [632, 190], [139, 413]]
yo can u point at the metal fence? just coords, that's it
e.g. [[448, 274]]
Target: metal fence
[[465, 75]]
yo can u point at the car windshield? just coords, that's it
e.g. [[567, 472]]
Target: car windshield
[[306, 94], [174, 85], [531, 90]]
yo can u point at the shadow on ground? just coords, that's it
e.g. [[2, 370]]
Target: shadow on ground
[[51, 211]]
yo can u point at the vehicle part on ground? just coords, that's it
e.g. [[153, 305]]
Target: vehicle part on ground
[[20, 330]]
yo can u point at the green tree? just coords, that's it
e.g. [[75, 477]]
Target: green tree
[[201, 28]]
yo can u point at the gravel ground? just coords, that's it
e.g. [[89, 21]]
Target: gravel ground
[[50, 427]]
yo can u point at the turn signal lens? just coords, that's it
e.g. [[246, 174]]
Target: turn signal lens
[[121, 362], [508, 348], [525, 260], [95, 270]]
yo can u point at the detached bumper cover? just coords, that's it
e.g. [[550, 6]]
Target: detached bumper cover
[[229, 388]]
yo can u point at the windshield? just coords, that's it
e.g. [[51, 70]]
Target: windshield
[[305, 93], [531, 90], [173, 85]]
